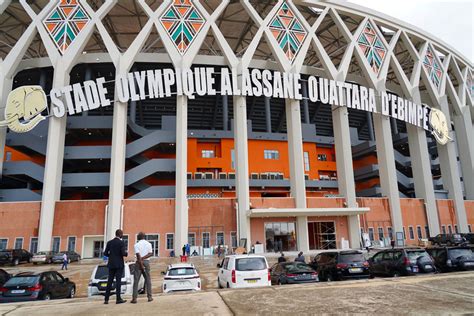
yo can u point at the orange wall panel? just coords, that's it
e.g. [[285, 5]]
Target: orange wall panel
[[19, 219]]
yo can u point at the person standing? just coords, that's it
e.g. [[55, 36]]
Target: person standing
[[300, 258], [143, 252], [115, 251], [184, 250], [188, 250], [282, 258], [64, 262]]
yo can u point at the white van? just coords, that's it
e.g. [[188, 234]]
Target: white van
[[241, 271], [100, 274]]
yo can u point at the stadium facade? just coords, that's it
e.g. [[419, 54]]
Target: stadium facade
[[296, 124]]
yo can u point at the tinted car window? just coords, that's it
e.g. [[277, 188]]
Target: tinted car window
[[181, 271], [103, 273], [414, 255], [23, 281], [349, 258], [250, 264], [456, 253]]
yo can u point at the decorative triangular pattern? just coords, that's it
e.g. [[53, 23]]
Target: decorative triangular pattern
[[372, 47], [65, 22], [182, 21], [288, 31], [432, 67]]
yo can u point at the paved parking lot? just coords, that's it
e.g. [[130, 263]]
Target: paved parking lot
[[432, 294]]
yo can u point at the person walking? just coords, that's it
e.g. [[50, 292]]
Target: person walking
[[64, 262], [143, 252], [115, 251], [188, 250]]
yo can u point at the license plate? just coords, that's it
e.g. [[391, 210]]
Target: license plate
[[469, 263], [104, 284], [355, 270], [415, 269], [428, 266], [251, 281], [18, 291]]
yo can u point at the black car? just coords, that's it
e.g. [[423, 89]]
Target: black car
[[29, 286], [292, 273], [401, 262], [447, 240], [341, 265], [71, 256], [14, 256], [4, 277], [452, 258], [469, 237]]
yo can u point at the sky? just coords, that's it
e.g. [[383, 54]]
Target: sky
[[449, 20]]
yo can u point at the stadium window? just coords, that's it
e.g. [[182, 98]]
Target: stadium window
[[232, 159], [443, 229], [271, 154], [306, 161], [404, 233], [205, 240], [411, 232], [192, 239], [450, 229], [8, 156], [469, 228], [322, 157], [233, 239], [381, 236], [220, 238], [207, 154], [427, 231], [169, 241], [419, 232], [34, 245], [390, 233], [456, 229], [19, 243], [3, 243], [371, 234], [71, 243], [56, 244]]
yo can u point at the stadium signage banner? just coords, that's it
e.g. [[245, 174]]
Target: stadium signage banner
[[25, 104]]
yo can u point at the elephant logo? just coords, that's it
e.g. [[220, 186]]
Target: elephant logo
[[24, 107], [439, 124]]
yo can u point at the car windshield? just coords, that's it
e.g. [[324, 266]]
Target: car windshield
[[456, 253], [102, 273], [297, 267], [181, 271], [351, 257], [414, 255], [457, 236], [29, 280], [250, 264]]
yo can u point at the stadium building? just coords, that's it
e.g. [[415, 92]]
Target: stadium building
[[301, 124]]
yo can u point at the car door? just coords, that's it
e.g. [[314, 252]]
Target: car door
[[274, 273], [61, 284], [388, 264], [49, 285], [376, 264], [223, 275]]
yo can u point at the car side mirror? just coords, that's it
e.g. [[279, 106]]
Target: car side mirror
[[66, 280], [219, 265], [163, 273]]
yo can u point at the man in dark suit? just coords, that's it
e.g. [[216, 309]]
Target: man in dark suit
[[115, 251]]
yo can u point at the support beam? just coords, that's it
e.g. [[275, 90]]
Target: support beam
[[297, 180], [53, 170], [181, 204], [268, 115], [387, 170], [225, 112], [242, 168], [304, 89], [465, 141], [450, 172], [345, 169], [370, 126]]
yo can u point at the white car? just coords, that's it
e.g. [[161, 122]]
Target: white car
[[181, 277], [98, 281], [241, 271]]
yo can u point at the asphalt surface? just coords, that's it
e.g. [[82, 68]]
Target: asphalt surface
[[436, 294]]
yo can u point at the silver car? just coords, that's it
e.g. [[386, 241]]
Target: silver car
[[43, 257]]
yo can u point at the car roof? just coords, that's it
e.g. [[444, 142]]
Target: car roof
[[31, 273], [244, 256], [350, 252]]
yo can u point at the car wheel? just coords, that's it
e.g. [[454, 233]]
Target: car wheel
[[329, 278], [228, 286], [16, 262], [396, 274], [279, 282], [371, 276], [50, 261], [72, 292], [29, 260], [47, 297], [219, 283]]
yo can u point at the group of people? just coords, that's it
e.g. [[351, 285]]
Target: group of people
[[300, 258], [116, 251]]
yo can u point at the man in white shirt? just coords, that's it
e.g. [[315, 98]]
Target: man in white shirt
[[143, 252]]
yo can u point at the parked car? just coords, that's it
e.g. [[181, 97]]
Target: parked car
[[452, 258], [341, 265], [241, 271], [14, 256], [401, 262], [71, 256], [181, 277], [4, 277], [29, 286], [447, 240], [469, 238], [98, 282], [292, 273], [43, 257]]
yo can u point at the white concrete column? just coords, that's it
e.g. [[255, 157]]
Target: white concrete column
[[421, 168], [387, 170], [181, 203], [53, 170], [5, 89], [297, 181], [242, 168], [465, 141], [450, 172], [345, 169]]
